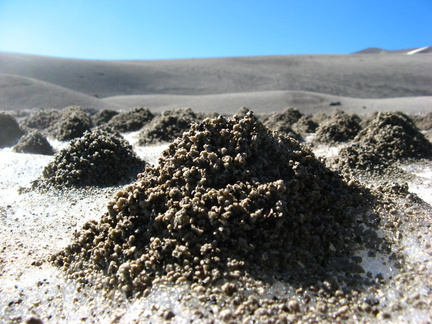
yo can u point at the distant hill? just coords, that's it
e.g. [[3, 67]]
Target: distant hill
[[28, 81], [411, 51]]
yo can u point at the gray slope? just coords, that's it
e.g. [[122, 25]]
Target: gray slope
[[17, 92], [273, 101], [360, 76]]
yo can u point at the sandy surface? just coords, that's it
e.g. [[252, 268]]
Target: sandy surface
[[34, 225]]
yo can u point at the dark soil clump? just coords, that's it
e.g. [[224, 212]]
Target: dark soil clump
[[285, 118], [389, 137], [35, 143], [104, 116], [98, 158], [131, 121], [42, 119], [73, 123], [167, 127], [283, 122], [305, 125], [242, 112], [10, 131], [339, 127], [228, 198]]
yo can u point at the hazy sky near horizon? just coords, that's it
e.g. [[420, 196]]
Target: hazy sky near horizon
[[167, 29]]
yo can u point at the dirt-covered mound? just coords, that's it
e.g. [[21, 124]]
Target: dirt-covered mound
[[228, 197], [104, 116], [168, 126], [388, 137], [132, 120], [339, 127], [73, 123], [285, 118], [35, 143], [98, 158], [305, 125], [283, 122], [10, 131], [42, 119]]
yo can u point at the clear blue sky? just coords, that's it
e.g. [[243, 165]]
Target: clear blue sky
[[165, 29]]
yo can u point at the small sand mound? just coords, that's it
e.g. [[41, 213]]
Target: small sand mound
[[339, 127], [130, 121], [168, 126], [104, 116], [42, 119], [283, 122], [241, 112], [10, 132], [305, 125], [35, 143], [98, 158], [72, 124], [387, 138], [228, 197], [285, 118]]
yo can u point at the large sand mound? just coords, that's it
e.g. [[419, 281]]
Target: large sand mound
[[229, 197]]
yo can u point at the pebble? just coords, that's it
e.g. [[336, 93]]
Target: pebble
[[293, 306]]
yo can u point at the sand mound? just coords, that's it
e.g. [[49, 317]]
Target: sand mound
[[97, 158], [387, 138], [35, 143], [104, 116], [10, 132], [305, 125], [339, 127], [228, 197], [168, 126], [42, 119], [73, 123], [287, 117], [132, 120], [283, 121]]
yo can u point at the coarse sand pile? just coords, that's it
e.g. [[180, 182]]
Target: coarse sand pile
[[228, 199], [98, 158], [103, 116], [74, 121], [10, 130], [387, 138], [42, 120], [35, 143], [338, 127], [305, 125], [167, 126], [132, 120], [284, 121]]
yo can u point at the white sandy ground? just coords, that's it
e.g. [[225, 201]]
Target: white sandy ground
[[34, 225]]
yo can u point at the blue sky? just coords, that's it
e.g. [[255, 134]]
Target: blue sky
[[166, 29]]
